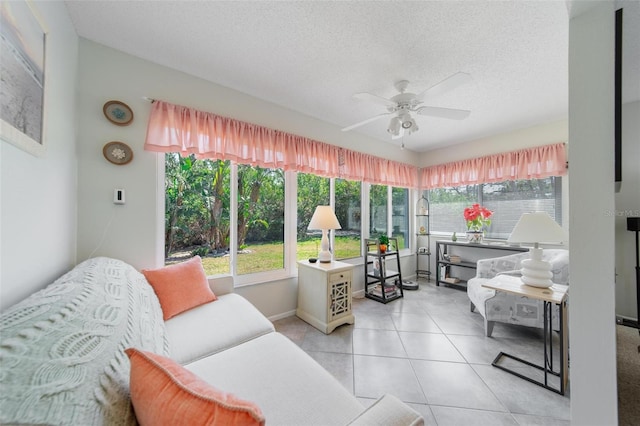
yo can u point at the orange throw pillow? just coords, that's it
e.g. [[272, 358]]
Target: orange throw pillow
[[180, 287], [165, 393]]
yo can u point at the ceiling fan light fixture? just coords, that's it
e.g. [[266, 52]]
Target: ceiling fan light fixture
[[409, 124], [407, 120], [394, 126]]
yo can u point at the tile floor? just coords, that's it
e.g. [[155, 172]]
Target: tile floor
[[430, 351]]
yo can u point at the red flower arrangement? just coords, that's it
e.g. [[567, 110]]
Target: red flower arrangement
[[477, 217]]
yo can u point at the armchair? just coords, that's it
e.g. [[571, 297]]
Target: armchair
[[508, 308]]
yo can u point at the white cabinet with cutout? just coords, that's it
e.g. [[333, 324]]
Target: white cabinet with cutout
[[324, 294]]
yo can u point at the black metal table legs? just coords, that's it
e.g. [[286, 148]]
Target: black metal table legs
[[547, 367]]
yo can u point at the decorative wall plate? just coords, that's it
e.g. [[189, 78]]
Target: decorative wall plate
[[117, 153], [118, 113]]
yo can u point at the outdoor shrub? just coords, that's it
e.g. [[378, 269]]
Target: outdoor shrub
[[200, 251]]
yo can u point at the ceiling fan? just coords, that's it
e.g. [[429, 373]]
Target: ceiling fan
[[404, 103]]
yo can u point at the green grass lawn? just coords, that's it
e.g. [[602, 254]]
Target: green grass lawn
[[270, 256]]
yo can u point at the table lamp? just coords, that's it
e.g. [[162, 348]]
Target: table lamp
[[537, 227], [324, 218]]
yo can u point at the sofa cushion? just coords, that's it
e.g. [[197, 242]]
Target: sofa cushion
[[180, 287], [294, 390], [62, 359], [165, 393], [213, 327]]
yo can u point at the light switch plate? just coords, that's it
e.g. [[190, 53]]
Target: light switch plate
[[118, 196]]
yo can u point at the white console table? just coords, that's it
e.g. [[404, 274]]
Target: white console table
[[324, 294]]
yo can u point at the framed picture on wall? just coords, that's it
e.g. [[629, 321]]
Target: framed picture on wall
[[22, 87]]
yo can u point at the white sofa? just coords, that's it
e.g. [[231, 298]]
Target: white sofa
[[62, 356], [508, 308]]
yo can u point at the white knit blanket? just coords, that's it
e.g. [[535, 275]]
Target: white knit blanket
[[62, 359]]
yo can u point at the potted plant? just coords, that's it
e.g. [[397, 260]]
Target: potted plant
[[384, 242], [477, 218]]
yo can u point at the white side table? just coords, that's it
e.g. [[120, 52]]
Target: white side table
[[556, 294], [324, 294]]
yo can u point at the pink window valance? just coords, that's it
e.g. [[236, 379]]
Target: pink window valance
[[174, 128], [531, 163]]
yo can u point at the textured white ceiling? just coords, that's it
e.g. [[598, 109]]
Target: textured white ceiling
[[312, 56]]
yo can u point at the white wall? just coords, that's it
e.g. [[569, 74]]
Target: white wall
[[543, 134], [134, 232], [591, 231], [38, 195], [628, 205]]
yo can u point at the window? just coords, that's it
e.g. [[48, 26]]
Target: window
[[378, 196], [348, 211], [213, 206], [197, 211], [446, 206], [385, 199], [312, 191], [400, 216], [508, 200], [260, 219]]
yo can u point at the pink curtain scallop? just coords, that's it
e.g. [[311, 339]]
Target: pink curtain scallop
[[530, 163], [174, 128]]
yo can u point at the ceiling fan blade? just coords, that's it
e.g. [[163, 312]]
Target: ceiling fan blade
[[445, 85], [368, 120], [375, 99], [453, 114]]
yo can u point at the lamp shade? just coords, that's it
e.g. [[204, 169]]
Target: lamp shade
[[537, 227], [324, 218]]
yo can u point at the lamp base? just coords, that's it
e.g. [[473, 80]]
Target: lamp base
[[324, 256], [536, 282], [535, 271]]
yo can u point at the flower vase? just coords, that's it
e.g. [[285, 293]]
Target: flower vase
[[475, 237]]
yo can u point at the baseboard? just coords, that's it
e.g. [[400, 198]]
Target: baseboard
[[358, 294], [282, 315]]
